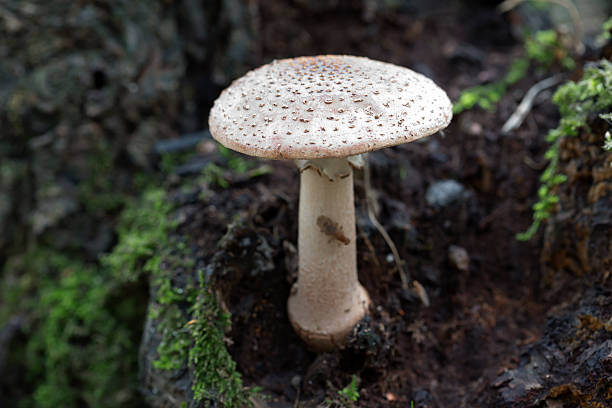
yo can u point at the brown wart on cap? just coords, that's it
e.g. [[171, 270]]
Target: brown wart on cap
[[324, 112]]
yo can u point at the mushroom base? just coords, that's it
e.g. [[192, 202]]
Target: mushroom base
[[328, 333]]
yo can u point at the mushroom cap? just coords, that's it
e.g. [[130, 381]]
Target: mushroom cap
[[327, 106]]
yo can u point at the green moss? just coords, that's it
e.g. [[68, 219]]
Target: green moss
[[143, 229], [606, 34], [214, 370], [608, 140], [577, 102], [543, 47], [79, 351], [170, 161], [194, 336], [487, 96], [170, 311], [84, 320], [215, 175], [235, 162], [83, 332], [190, 321]]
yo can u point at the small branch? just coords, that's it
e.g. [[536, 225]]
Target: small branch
[[380, 228], [368, 243], [521, 112]]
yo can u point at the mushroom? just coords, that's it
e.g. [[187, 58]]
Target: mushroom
[[324, 112]]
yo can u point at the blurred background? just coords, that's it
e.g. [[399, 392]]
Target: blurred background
[[103, 103]]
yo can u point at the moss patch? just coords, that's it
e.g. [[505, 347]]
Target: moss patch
[[191, 323], [544, 48], [82, 331], [83, 328], [579, 104], [142, 230], [215, 371]]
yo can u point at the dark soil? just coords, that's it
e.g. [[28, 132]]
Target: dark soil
[[444, 355]]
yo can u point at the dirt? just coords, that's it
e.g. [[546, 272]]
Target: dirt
[[435, 355], [569, 365], [443, 355]]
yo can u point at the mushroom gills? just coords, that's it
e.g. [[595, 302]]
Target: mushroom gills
[[333, 168]]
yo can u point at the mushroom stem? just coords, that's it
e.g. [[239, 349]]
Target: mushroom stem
[[327, 300]]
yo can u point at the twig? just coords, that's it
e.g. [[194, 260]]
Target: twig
[[572, 11], [380, 228], [516, 119], [369, 245], [296, 404]]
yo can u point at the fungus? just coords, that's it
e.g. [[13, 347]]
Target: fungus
[[324, 112]]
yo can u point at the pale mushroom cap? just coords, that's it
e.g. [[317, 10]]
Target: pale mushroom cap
[[327, 106]]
